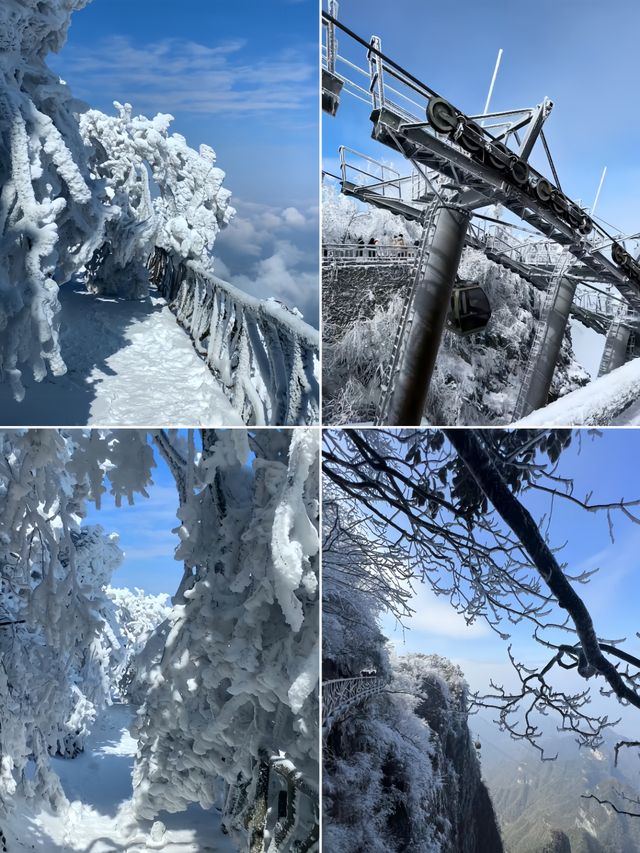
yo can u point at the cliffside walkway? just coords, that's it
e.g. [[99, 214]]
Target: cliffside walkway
[[339, 694], [196, 352]]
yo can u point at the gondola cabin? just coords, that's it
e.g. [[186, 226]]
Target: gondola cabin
[[470, 310]]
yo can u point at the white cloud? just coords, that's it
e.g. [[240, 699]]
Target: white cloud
[[436, 616], [293, 217], [271, 251], [184, 76]]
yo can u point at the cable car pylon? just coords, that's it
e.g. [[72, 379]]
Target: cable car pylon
[[478, 169]]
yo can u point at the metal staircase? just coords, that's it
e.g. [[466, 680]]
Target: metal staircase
[[541, 333], [390, 370]]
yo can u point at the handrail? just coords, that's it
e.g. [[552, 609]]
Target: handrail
[[340, 693], [265, 357]]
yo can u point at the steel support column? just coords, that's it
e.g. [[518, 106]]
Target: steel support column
[[615, 351], [431, 305], [545, 366]]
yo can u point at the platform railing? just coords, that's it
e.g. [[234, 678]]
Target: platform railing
[[363, 253], [340, 693], [265, 357]]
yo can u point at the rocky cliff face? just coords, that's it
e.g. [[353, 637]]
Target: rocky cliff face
[[402, 773]]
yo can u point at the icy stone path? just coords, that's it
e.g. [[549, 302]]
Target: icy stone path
[[97, 784], [129, 363]]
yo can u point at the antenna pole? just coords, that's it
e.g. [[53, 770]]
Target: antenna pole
[[595, 201], [493, 83]]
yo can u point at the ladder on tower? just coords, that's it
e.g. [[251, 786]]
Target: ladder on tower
[[542, 330], [610, 341], [391, 369]]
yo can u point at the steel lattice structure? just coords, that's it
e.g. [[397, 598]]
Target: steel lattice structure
[[460, 164]]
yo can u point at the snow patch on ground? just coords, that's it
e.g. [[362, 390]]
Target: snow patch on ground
[[99, 818], [130, 363], [613, 399]]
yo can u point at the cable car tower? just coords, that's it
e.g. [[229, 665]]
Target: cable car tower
[[461, 164]]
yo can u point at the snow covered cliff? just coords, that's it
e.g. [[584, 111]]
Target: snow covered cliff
[[402, 772]]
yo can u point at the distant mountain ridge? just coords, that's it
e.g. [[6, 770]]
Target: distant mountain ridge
[[540, 804]]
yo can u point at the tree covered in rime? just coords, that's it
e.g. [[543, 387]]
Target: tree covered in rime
[[51, 221], [452, 500], [228, 678], [75, 196], [130, 155], [235, 693], [137, 617], [58, 642]]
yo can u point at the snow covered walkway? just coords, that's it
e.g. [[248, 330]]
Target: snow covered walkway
[[97, 784], [129, 363]]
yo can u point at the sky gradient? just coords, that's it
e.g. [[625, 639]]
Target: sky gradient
[[145, 534]]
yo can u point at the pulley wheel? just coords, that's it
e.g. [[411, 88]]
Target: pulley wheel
[[499, 156], [544, 190], [441, 115], [519, 171]]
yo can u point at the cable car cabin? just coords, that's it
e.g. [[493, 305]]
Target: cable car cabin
[[331, 89], [470, 310]]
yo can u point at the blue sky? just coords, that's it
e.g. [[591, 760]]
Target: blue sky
[[580, 53], [241, 77], [599, 463], [145, 535]]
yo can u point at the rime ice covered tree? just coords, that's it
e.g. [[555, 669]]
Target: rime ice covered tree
[[58, 647], [50, 218], [235, 693], [190, 207], [75, 195]]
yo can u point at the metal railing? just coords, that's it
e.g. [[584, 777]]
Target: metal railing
[[363, 253], [340, 693], [265, 357]]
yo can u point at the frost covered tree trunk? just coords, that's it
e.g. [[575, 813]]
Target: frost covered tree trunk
[[237, 685]]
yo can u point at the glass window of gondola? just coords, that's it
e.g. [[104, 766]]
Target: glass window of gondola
[[470, 309]]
